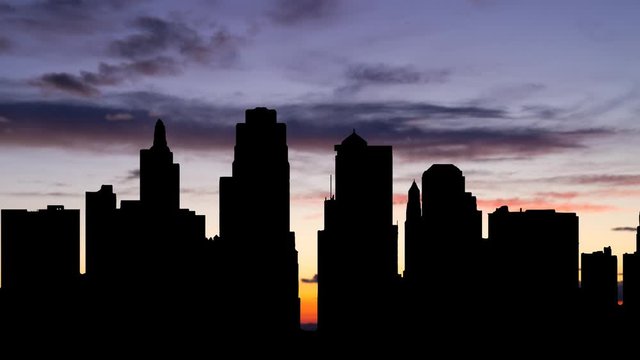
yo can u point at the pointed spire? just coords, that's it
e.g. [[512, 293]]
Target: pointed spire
[[354, 140], [413, 202], [414, 187], [159, 136]]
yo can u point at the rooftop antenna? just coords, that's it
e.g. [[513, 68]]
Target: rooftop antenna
[[330, 186]]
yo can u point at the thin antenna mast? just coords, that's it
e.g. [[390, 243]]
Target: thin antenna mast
[[330, 186]]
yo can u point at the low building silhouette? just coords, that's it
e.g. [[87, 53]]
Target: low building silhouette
[[536, 258], [631, 280], [599, 281], [40, 273], [40, 249]]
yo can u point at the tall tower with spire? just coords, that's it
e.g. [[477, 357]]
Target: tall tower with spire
[[150, 244], [358, 248], [413, 233], [159, 176]]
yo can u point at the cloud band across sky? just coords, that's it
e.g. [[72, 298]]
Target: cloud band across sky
[[416, 130]]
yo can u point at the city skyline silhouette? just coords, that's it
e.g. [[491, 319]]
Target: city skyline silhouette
[[528, 105], [137, 251]]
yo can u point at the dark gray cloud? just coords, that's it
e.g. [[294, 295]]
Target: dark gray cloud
[[294, 12], [624, 228], [6, 8], [399, 112], [543, 112], [157, 36], [52, 17], [360, 75], [597, 179], [5, 44], [66, 83], [418, 131], [39, 194], [115, 74], [158, 48], [389, 74], [84, 125], [87, 82], [313, 280], [133, 174], [453, 144]]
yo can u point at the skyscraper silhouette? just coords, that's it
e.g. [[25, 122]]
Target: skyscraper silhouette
[[443, 244], [137, 252], [415, 245], [453, 223], [159, 176], [357, 250], [256, 247], [599, 281]]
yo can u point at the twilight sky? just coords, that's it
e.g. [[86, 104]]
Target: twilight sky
[[537, 102]]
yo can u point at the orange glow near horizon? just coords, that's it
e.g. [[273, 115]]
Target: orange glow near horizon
[[308, 303]]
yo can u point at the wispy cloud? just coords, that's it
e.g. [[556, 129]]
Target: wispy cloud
[[65, 82], [312, 280], [87, 83], [416, 130], [624, 228], [597, 179], [121, 116], [387, 74], [40, 194], [5, 44], [158, 47], [133, 174], [156, 36], [295, 12], [357, 76], [60, 17]]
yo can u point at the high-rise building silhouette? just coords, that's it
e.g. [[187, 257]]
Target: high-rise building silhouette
[[443, 244], [413, 234], [631, 280], [536, 255], [452, 220], [599, 281], [101, 249], [40, 249], [256, 246], [159, 176], [148, 259], [357, 250], [151, 237]]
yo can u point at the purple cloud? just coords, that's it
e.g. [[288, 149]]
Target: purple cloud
[[295, 12], [315, 127], [156, 36]]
